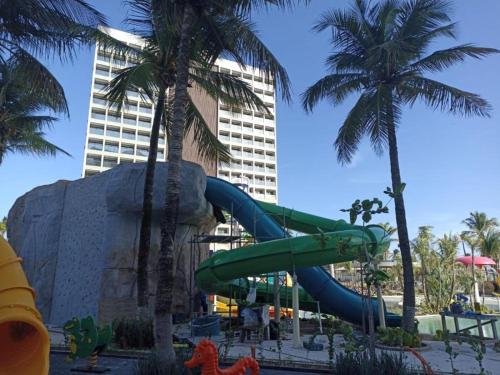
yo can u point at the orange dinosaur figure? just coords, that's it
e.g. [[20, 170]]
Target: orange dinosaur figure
[[205, 355]]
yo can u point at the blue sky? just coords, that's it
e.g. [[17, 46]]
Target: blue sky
[[451, 164]]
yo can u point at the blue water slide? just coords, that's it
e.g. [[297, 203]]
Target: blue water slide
[[334, 298]]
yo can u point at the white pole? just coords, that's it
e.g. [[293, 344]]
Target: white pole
[[296, 321], [319, 318], [381, 312]]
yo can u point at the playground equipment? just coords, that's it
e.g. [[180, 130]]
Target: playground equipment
[[87, 340], [24, 340], [205, 355], [328, 241]]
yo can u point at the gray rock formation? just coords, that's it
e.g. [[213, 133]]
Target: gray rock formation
[[79, 239]]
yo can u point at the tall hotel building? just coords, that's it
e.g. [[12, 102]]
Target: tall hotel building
[[123, 137]]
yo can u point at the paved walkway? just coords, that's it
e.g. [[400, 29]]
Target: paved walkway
[[118, 366]]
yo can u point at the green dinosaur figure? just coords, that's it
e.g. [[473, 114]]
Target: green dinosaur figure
[[85, 338]]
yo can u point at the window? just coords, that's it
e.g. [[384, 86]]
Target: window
[[127, 134], [130, 120], [143, 137], [98, 115], [161, 140], [111, 147], [99, 101], [103, 58], [128, 149], [93, 160], [126, 161], [95, 145], [144, 122], [113, 132], [161, 155], [95, 129], [110, 162], [142, 151], [118, 62], [223, 231], [115, 117], [102, 72], [145, 108], [99, 86], [90, 173]]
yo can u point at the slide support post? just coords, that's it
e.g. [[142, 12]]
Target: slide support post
[[296, 321], [319, 319]]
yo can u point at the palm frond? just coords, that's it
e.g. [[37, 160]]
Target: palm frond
[[334, 87], [438, 95], [42, 83], [140, 77], [243, 44], [228, 88], [208, 145], [442, 59], [34, 143], [360, 118]]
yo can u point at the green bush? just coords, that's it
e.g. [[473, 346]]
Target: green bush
[[399, 337], [133, 333], [359, 363]]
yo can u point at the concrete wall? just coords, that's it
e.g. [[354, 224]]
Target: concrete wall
[[79, 240]]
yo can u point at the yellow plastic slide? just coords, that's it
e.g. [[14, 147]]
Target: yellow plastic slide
[[24, 340]]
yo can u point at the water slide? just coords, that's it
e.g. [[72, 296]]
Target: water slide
[[24, 340], [327, 241]]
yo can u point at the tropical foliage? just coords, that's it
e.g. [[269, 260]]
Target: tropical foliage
[[381, 53], [154, 76], [29, 29], [438, 268], [483, 233], [21, 125], [206, 22]]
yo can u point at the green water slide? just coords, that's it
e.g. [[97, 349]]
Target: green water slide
[[326, 241]]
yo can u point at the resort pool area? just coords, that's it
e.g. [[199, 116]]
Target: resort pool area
[[429, 324]]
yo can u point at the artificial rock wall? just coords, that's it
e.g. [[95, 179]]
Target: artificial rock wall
[[79, 240]]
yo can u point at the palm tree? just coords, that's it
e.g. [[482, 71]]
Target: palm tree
[[30, 28], [422, 246], [207, 20], [490, 246], [21, 125], [479, 224], [154, 74], [381, 52], [45, 27]]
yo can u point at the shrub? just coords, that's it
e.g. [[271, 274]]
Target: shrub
[[133, 333], [399, 337], [359, 363]]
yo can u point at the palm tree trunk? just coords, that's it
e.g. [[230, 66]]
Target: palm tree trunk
[[147, 210], [164, 291], [408, 323]]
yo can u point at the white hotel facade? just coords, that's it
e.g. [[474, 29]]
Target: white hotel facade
[[114, 137]]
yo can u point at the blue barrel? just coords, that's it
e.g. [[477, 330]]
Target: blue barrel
[[206, 326]]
